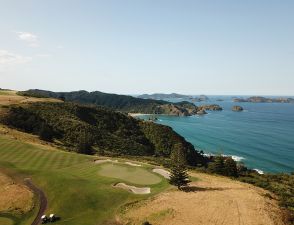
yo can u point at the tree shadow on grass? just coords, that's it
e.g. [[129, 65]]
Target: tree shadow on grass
[[198, 189]]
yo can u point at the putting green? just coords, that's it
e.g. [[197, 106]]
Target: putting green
[[130, 174]]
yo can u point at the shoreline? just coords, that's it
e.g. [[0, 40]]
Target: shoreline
[[139, 114]]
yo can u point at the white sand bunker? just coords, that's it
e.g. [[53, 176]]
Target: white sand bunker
[[99, 161], [132, 164], [133, 189], [162, 172]]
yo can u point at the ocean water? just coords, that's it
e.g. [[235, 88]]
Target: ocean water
[[262, 136]]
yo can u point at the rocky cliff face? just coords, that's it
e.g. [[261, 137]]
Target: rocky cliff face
[[171, 109], [186, 110], [213, 107], [237, 108]]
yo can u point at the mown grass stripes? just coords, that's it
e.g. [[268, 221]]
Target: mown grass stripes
[[31, 157]]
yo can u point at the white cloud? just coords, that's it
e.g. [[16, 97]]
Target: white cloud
[[43, 55], [31, 39], [8, 58]]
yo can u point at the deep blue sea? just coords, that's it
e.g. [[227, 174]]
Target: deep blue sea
[[262, 136]]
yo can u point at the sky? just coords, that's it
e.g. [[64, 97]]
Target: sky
[[213, 47]]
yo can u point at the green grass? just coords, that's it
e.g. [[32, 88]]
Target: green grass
[[5, 221], [4, 92], [75, 189], [135, 175]]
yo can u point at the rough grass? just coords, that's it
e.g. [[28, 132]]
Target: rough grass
[[14, 198], [7, 92], [11, 97], [74, 189]]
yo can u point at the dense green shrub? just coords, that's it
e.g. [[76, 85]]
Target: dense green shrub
[[165, 141], [224, 166]]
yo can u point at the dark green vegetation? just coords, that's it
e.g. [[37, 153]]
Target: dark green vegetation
[[225, 166], [89, 129], [123, 103], [166, 142], [74, 189]]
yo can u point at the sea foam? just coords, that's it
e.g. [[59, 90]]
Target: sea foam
[[235, 157], [259, 171]]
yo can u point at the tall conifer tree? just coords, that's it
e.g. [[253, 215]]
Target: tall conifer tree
[[179, 176]]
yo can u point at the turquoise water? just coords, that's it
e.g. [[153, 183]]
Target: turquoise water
[[262, 135]]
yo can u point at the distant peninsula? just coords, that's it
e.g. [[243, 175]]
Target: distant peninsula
[[125, 103], [161, 96], [259, 99]]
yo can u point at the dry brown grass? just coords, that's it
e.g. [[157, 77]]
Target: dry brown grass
[[11, 97], [14, 198], [211, 200]]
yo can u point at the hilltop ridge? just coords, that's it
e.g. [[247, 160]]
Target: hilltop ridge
[[122, 103]]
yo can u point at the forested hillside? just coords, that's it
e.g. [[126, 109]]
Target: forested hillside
[[90, 129], [122, 103]]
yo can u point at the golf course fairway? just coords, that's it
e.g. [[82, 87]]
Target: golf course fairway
[[77, 190]]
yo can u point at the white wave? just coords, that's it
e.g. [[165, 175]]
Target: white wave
[[208, 154], [235, 157], [259, 171]]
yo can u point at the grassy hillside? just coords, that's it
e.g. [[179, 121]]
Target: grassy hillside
[[10, 97], [87, 129], [74, 189], [122, 103]]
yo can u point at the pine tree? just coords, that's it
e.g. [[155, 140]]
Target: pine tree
[[179, 176]]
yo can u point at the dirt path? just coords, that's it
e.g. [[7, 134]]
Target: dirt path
[[210, 201], [42, 200]]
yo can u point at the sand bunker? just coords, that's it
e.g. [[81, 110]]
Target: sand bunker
[[133, 189], [132, 164], [99, 161], [162, 172]]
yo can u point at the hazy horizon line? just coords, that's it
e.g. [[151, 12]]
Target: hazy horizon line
[[151, 93]]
